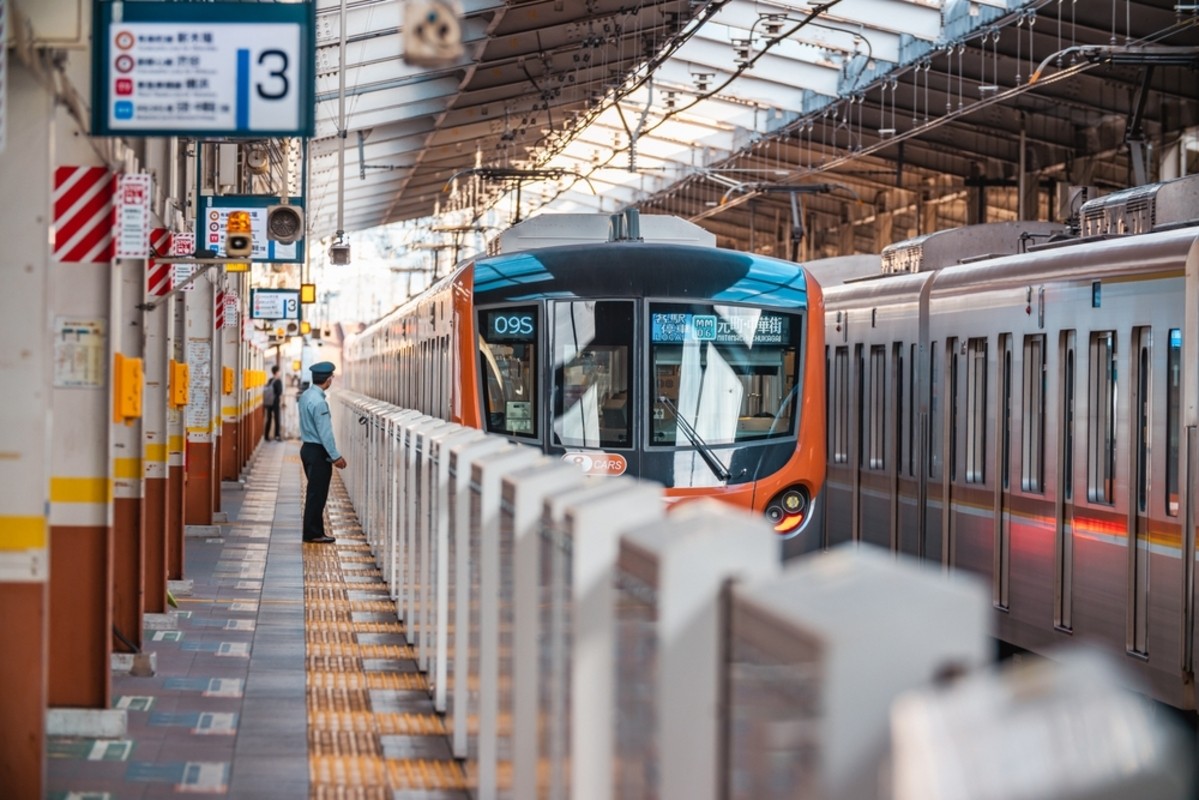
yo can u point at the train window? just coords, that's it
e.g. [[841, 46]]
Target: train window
[[876, 424], [912, 446], [1173, 384], [976, 410], [900, 402], [508, 361], [1032, 477], [935, 433], [1101, 457], [951, 406], [1068, 371], [593, 373], [1005, 392], [722, 374], [838, 413]]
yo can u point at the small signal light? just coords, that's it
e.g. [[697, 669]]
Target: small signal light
[[238, 239], [307, 292]]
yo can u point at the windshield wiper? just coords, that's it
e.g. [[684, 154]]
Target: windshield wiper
[[705, 451]]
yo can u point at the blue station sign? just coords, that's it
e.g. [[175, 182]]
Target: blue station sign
[[203, 69]]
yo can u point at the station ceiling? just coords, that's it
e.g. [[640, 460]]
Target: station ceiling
[[788, 127]]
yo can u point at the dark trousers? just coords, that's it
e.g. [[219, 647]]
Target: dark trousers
[[272, 413], [319, 470]]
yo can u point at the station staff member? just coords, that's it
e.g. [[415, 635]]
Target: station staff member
[[318, 452]]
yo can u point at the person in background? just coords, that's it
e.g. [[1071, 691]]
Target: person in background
[[271, 398], [318, 452]]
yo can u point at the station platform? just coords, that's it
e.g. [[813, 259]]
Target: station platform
[[284, 673]]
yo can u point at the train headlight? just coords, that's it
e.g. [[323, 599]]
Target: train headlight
[[788, 511]]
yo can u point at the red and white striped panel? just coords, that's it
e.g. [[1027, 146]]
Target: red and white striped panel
[[83, 214], [158, 276], [218, 318]]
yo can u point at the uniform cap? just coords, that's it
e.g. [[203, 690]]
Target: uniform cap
[[322, 368]]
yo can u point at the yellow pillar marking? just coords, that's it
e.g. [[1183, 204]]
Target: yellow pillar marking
[[80, 490], [156, 453], [126, 468], [22, 533]]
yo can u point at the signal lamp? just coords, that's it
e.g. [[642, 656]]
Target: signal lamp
[[284, 223], [307, 292], [238, 241]]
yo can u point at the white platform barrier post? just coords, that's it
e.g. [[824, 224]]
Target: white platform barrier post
[[818, 655], [433, 549], [671, 580], [416, 523], [486, 472], [524, 493], [392, 572], [1059, 727], [459, 503], [584, 529], [418, 634], [408, 491], [442, 442]]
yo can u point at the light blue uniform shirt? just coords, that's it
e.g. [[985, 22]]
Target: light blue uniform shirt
[[316, 426]]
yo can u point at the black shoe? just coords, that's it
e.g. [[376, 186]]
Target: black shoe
[[277, 439], [321, 540]]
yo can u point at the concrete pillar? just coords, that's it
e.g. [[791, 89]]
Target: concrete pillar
[[231, 407], [173, 312], [199, 464], [25, 373], [82, 466], [154, 457], [215, 393], [126, 444]]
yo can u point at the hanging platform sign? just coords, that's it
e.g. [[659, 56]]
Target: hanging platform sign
[[214, 216], [203, 69]]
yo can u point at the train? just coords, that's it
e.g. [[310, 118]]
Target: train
[[627, 345], [1021, 401]]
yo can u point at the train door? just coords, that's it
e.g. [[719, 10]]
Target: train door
[[949, 451], [909, 449], [839, 499], [1001, 563], [875, 488], [1138, 528], [594, 405], [1064, 496]]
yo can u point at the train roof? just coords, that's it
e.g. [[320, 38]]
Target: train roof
[[640, 269], [1091, 259]]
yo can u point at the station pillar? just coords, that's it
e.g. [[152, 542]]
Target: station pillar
[[173, 312], [154, 457], [25, 436], [126, 446], [231, 364], [199, 457]]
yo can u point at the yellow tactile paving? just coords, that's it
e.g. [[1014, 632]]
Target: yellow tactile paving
[[347, 757]]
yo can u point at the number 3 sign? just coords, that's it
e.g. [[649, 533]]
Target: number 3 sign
[[234, 69]]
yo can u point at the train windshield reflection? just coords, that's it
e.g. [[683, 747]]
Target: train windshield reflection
[[508, 351], [730, 371], [592, 373]]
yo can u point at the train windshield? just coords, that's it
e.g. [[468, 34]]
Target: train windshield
[[722, 374], [508, 360], [592, 373]]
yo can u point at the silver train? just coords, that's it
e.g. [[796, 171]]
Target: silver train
[[1032, 417]]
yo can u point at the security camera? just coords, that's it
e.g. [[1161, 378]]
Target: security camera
[[339, 254], [432, 33]]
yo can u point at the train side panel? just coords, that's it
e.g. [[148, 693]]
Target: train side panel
[[1048, 425]]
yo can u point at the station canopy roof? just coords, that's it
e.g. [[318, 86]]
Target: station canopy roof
[[743, 114]]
